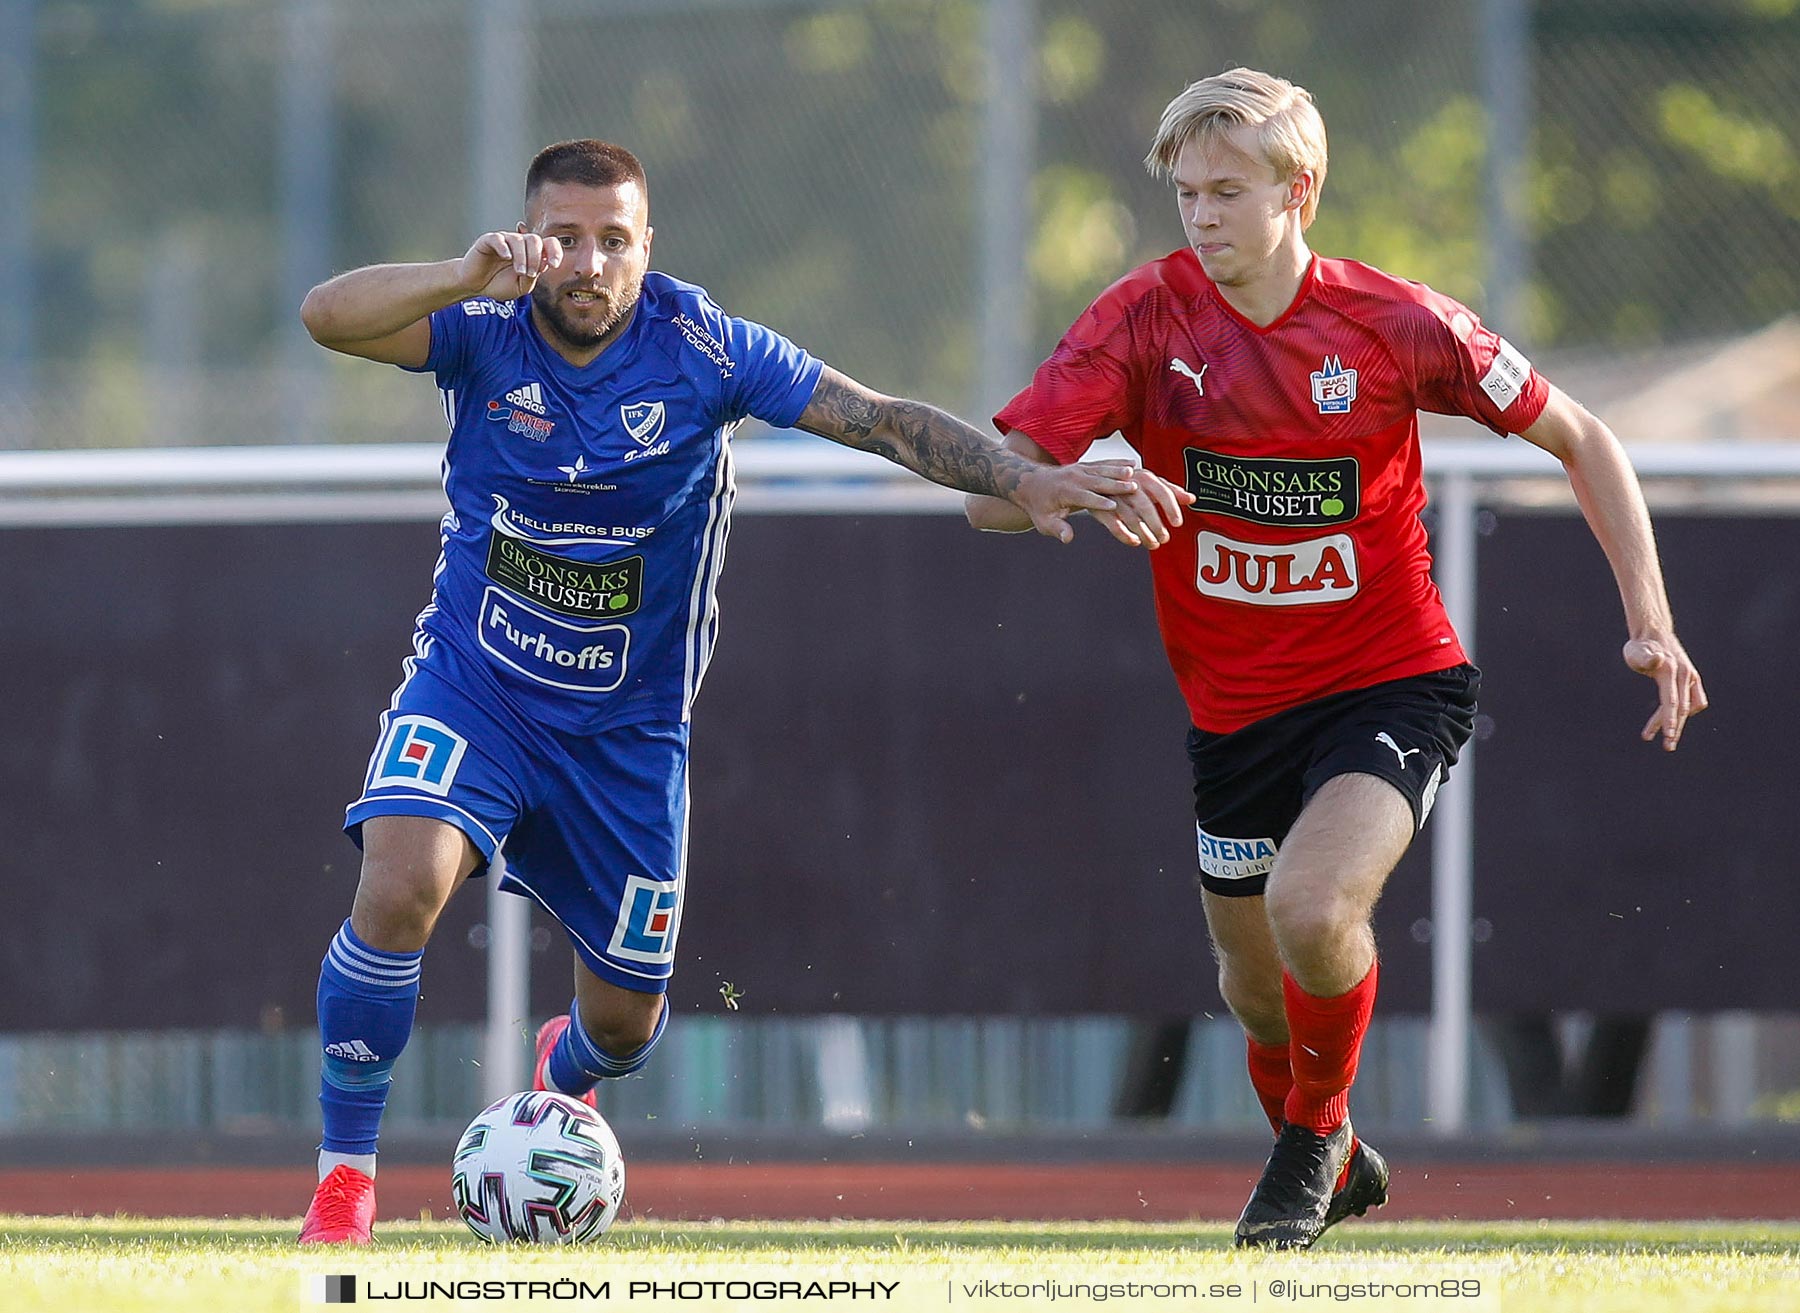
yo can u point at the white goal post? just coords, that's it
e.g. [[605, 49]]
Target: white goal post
[[200, 485]]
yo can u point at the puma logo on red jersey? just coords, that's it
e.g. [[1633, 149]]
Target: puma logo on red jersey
[[1180, 366], [1286, 574]]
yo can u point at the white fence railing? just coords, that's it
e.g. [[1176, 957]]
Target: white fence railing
[[789, 476]]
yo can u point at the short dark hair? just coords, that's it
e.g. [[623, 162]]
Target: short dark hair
[[588, 162]]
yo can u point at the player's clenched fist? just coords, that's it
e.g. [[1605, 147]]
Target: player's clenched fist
[[505, 266]]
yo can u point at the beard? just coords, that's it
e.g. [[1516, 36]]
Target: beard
[[593, 330]]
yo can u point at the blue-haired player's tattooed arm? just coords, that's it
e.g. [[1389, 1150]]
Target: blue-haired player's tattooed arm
[[945, 450]]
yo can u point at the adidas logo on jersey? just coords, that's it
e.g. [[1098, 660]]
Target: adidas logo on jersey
[[354, 1050], [529, 396]]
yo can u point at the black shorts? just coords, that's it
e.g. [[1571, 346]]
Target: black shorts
[[1250, 784]]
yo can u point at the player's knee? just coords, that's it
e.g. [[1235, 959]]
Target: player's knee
[[1257, 1006], [623, 1034], [1308, 923], [621, 1039], [396, 907]]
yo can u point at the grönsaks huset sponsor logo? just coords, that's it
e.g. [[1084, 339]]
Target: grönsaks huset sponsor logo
[[577, 588], [1300, 494], [546, 650]]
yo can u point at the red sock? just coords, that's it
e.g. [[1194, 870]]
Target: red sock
[[1272, 1076], [1325, 1038]]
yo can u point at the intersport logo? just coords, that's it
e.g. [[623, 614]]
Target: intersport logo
[[1270, 574]]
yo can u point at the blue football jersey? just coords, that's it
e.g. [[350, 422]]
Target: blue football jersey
[[589, 507]]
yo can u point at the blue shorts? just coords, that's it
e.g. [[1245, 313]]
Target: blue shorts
[[591, 826]]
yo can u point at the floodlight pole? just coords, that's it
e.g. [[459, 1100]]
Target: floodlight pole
[[1505, 31], [307, 165], [1453, 834], [1008, 153], [18, 216], [502, 74]]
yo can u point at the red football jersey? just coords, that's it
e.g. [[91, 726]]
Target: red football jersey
[[1302, 568]]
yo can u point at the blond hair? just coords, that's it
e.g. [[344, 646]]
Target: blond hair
[[1289, 131]]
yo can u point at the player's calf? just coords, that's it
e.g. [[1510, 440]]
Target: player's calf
[[571, 1062], [366, 1002]]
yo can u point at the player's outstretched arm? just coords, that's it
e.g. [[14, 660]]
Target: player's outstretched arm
[[1139, 519], [945, 450], [1606, 487], [382, 312]]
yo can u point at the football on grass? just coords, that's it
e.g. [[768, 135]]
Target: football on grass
[[539, 1168]]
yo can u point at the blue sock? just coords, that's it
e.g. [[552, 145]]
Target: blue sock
[[366, 1003], [577, 1064]]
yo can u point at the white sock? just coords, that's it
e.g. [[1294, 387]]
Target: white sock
[[362, 1162]]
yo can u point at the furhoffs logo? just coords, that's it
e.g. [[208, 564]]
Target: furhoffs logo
[[583, 658]]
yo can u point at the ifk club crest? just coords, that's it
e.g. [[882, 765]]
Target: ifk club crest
[[643, 420]]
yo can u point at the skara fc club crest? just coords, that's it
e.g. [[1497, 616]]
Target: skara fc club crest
[[643, 420]]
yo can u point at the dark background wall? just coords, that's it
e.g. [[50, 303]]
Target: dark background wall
[[934, 771]]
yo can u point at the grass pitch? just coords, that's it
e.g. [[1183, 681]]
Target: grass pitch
[[125, 1265]]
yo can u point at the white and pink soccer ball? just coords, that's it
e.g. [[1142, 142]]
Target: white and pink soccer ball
[[538, 1168]]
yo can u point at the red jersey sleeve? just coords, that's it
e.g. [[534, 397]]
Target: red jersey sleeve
[[1085, 391], [1462, 367]]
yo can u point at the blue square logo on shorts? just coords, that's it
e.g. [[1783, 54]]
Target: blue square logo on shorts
[[419, 753], [649, 916]]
